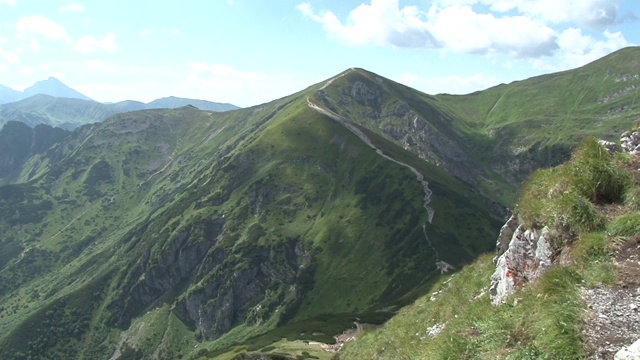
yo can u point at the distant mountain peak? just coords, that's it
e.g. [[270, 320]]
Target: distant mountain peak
[[53, 87]]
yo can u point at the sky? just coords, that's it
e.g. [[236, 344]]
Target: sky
[[247, 52]]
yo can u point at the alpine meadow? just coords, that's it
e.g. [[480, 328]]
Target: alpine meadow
[[193, 234]]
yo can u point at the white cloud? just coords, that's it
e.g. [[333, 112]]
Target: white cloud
[[224, 83], [72, 7], [577, 49], [455, 27], [88, 44], [592, 13], [517, 28], [381, 23], [39, 25], [8, 56], [8, 2], [459, 28]]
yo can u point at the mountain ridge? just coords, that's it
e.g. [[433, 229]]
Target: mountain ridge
[[268, 198], [189, 233], [70, 113], [53, 87]]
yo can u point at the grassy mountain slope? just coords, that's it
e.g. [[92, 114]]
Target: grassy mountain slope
[[546, 319], [187, 233], [493, 139], [159, 229], [54, 111], [174, 102], [70, 113], [536, 122], [19, 142]]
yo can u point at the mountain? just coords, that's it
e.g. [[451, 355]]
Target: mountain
[[536, 122], [70, 113], [53, 87], [19, 142], [185, 226], [60, 112], [9, 95], [184, 233], [55, 104], [549, 293], [176, 102]]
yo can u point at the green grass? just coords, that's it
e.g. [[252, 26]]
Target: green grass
[[625, 225], [566, 196], [334, 229], [543, 321], [319, 227]]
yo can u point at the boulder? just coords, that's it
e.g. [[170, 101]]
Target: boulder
[[528, 255], [631, 352]]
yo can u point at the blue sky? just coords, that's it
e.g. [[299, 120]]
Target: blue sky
[[249, 52]]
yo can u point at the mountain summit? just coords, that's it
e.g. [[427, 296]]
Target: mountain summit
[[182, 233], [53, 87]]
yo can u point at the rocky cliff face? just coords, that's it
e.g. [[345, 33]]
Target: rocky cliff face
[[241, 290], [523, 256], [398, 121]]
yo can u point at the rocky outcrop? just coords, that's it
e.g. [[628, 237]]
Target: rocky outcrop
[[632, 352], [630, 142], [154, 278], [248, 287], [524, 258]]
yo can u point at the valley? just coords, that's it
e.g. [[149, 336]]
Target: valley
[[183, 232]]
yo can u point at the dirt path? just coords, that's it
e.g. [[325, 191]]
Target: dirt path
[[613, 312], [441, 265]]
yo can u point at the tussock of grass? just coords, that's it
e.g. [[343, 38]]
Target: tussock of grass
[[565, 196], [625, 225], [632, 199], [596, 175], [591, 253]]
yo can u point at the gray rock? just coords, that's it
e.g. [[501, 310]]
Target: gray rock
[[609, 145], [528, 255], [506, 232], [631, 352]]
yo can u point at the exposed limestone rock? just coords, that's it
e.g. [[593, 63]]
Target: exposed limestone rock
[[631, 352], [245, 293], [630, 141], [528, 255], [609, 145], [506, 233]]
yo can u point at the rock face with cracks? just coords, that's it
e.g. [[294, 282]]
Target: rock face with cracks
[[523, 256]]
